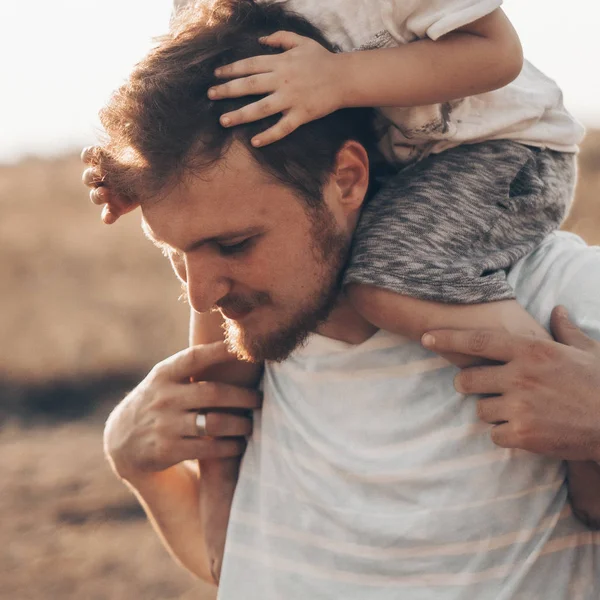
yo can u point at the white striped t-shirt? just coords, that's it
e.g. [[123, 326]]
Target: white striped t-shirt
[[369, 477]]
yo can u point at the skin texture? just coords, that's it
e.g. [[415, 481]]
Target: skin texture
[[307, 82]]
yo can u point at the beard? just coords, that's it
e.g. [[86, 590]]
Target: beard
[[330, 248]]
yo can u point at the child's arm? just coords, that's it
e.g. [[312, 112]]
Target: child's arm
[[307, 82], [219, 476], [412, 317]]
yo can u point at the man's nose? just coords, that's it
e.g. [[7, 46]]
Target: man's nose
[[207, 282]]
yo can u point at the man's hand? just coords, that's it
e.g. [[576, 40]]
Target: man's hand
[[544, 397], [154, 428], [300, 83], [113, 205]]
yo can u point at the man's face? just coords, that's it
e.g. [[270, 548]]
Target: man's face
[[246, 246]]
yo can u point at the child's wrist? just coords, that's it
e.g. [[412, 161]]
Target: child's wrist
[[344, 79]]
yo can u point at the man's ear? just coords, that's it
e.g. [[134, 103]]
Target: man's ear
[[351, 176]]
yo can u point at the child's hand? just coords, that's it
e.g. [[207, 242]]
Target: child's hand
[[114, 204], [300, 83]]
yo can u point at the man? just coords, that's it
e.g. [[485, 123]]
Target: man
[[367, 475]]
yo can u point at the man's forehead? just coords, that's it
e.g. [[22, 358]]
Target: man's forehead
[[232, 196]]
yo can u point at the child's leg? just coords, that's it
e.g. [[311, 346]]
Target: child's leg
[[434, 245], [219, 476]]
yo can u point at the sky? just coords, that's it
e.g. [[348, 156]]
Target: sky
[[60, 60]]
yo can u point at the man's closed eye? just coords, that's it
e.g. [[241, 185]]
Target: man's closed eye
[[237, 248]]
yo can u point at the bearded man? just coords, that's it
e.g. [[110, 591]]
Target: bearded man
[[367, 475]]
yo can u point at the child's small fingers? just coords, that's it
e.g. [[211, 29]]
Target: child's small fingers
[[282, 128], [100, 195], [247, 66], [88, 153], [92, 177], [254, 111], [283, 39], [108, 216], [253, 85]]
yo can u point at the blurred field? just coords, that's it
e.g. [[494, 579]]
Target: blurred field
[[86, 311]]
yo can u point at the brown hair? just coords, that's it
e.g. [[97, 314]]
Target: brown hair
[[161, 124]]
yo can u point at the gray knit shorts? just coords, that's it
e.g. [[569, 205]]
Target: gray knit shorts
[[449, 227]]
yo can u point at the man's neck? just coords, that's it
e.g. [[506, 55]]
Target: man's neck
[[346, 325]]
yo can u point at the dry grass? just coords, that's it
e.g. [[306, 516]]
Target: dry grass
[[71, 530], [79, 300]]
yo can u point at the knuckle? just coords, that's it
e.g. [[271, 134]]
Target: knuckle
[[209, 393], [162, 399], [287, 127], [157, 371], [498, 438], [539, 351], [519, 408], [266, 107], [525, 382], [463, 382], [478, 341], [523, 429], [191, 358]]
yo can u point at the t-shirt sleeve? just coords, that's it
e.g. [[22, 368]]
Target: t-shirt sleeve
[[563, 270], [435, 18]]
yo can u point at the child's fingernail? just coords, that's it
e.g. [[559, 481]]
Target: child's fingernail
[[256, 142], [225, 121], [428, 340]]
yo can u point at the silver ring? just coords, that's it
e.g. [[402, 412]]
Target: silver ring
[[201, 425]]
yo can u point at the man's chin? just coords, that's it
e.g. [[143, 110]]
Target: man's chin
[[275, 346]]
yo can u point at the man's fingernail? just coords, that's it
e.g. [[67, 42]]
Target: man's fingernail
[[428, 340], [212, 93], [256, 142], [218, 72], [562, 312], [225, 121]]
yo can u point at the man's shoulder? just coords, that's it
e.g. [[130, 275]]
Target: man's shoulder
[[560, 255], [563, 269]]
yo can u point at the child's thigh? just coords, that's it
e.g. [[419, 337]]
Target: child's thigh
[[447, 228]]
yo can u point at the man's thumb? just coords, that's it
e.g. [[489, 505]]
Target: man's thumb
[[193, 361], [566, 332]]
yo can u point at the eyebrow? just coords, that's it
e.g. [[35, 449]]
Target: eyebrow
[[222, 237]]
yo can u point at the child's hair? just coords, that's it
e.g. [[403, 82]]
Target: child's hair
[[161, 124]]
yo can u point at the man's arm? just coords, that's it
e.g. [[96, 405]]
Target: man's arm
[[219, 476], [151, 439], [544, 398], [171, 500]]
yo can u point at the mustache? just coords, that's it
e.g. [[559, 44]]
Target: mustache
[[238, 303]]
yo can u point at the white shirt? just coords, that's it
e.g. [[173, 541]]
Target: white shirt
[[369, 477]]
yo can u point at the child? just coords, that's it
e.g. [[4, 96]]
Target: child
[[486, 152]]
